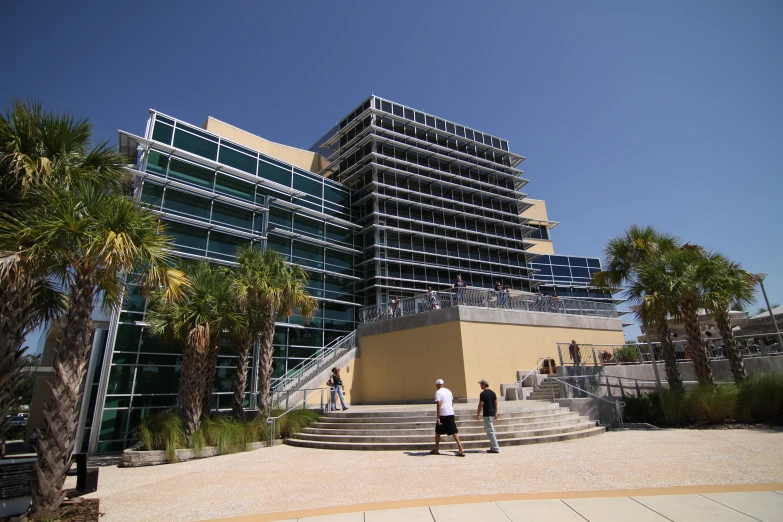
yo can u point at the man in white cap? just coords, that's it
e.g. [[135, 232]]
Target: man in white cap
[[445, 423], [488, 405]]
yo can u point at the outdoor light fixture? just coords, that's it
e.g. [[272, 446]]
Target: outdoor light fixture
[[760, 278]]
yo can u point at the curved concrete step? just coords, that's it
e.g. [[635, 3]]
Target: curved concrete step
[[502, 421], [393, 437], [445, 445], [510, 409], [476, 427], [336, 419]]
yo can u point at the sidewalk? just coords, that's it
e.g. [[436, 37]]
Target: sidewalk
[[687, 504]]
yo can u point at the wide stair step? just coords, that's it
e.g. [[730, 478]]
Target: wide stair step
[[413, 430]]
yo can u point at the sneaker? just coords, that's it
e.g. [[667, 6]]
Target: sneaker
[[493, 451]]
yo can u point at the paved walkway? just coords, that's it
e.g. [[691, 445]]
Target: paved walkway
[[714, 504], [285, 478]]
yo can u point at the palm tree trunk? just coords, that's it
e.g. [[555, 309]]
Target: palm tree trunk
[[701, 363], [669, 358], [190, 389], [56, 444], [244, 344], [208, 378], [17, 295], [265, 365], [729, 345]]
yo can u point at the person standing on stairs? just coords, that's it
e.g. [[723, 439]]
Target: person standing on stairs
[[336, 385], [488, 405], [445, 423]]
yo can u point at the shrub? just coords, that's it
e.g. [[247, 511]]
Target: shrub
[[760, 399], [294, 421], [626, 354], [646, 408], [706, 404], [163, 432]]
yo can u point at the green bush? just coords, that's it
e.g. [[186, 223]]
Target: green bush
[[626, 354], [293, 422], [646, 408], [706, 404], [760, 399], [164, 432]]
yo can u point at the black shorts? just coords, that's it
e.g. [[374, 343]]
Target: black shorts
[[447, 425]]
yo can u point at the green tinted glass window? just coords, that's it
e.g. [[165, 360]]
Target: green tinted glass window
[[234, 187], [280, 244], [338, 311], [308, 185], [336, 195], [281, 218], [224, 246], [341, 235], [134, 299], [237, 159], [188, 204], [156, 162], [195, 144], [187, 237], [274, 173], [162, 132], [309, 255], [120, 379], [151, 194], [190, 173], [114, 424], [308, 226], [156, 379], [232, 216], [340, 259], [304, 337], [127, 338]]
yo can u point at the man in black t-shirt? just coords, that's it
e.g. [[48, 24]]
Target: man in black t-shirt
[[488, 405]]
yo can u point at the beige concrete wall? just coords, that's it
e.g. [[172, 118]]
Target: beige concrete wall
[[404, 365], [537, 212], [497, 351], [299, 157], [542, 246]]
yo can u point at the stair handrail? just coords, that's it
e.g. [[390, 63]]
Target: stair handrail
[[273, 420], [531, 372], [618, 405], [313, 365]]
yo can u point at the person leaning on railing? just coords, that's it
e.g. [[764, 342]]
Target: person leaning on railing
[[460, 287], [432, 297]]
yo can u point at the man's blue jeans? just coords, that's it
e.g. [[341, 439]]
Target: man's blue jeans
[[489, 427], [338, 390]]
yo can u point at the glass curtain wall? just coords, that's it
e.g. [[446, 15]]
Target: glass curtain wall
[[568, 276], [435, 199], [215, 195]]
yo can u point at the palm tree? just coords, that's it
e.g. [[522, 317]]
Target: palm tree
[[92, 238], [687, 269], [726, 285], [248, 284], [193, 322], [651, 290], [627, 252], [37, 149], [281, 293]]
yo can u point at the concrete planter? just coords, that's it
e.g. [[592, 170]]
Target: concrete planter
[[135, 458]]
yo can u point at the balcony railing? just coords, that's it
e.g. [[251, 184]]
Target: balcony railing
[[483, 298]]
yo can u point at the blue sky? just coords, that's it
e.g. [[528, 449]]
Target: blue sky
[[662, 113]]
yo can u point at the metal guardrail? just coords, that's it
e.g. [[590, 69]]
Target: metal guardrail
[[285, 386], [749, 346], [272, 421], [617, 405], [484, 298]]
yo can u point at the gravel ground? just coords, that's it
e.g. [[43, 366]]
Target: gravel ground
[[286, 478]]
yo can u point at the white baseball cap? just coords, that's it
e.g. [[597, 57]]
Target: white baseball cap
[[439, 381]]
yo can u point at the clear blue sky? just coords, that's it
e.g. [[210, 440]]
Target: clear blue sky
[[662, 113]]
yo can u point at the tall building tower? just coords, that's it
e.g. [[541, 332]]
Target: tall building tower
[[435, 199]]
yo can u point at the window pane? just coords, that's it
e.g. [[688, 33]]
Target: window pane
[[341, 235], [120, 379], [182, 203], [151, 194], [233, 216], [156, 379], [280, 218], [195, 144], [280, 244], [223, 245], [238, 160], [577, 261], [162, 133], [336, 195], [234, 187], [308, 226], [191, 173], [339, 259], [558, 260], [308, 185], [274, 173], [156, 162], [308, 255], [187, 237]]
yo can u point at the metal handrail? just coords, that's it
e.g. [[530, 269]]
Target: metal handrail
[[531, 372], [273, 420], [618, 405], [484, 298]]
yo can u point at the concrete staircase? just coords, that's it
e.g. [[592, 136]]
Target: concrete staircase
[[545, 391], [413, 428]]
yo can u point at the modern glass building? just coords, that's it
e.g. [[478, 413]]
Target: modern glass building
[[435, 199], [388, 202]]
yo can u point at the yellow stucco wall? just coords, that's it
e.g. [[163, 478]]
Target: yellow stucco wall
[[542, 246], [537, 212], [299, 157], [403, 365]]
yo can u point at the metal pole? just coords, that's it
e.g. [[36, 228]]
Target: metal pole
[[760, 279], [595, 359]]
